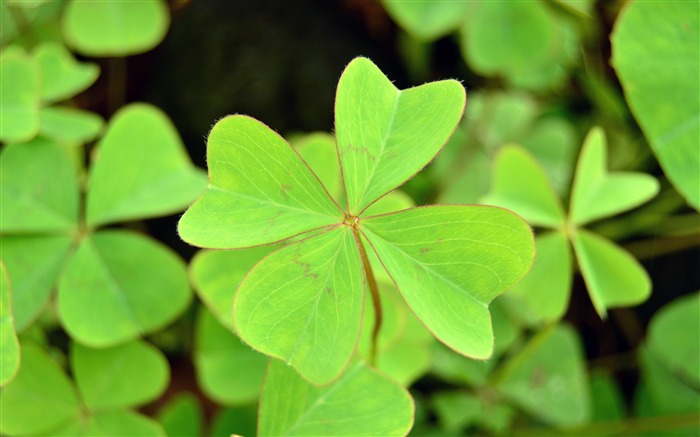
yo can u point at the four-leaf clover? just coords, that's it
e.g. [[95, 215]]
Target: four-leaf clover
[[303, 303]]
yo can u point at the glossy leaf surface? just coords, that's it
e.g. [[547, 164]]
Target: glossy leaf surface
[[39, 188], [63, 76], [39, 387], [303, 304], [520, 185], [548, 378], [9, 345], [384, 135], [124, 376], [227, 370], [20, 88], [115, 28], [141, 170], [118, 286], [34, 264], [260, 191], [656, 56], [361, 403], [449, 262], [613, 277], [597, 193], [69, 125]]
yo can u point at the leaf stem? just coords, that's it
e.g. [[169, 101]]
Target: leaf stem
[[374, 290]]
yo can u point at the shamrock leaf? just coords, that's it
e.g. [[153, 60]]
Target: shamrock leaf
[[20, 89], [303, 303], [107, 384], [115, 28], [597, 193], [67, 76], [9, 345], [227, 370], [255, 178], [547, 378], [613, 277], [39, 188], [384, 135], [291, 406], [655, 54], [131, 285], [155, 175]]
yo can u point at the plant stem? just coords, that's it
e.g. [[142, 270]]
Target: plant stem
[[656, 246], [116, 91], [376, 301]]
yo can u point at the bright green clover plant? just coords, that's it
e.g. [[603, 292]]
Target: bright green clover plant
[[613, 277], [232, 373], [113, 285], [303, 303], [108, 383], [33, 83]]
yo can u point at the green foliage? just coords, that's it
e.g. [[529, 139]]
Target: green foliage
[[384, 136], [138, 373], [113, 285], [531, 47], [337, 275], [228, 371], [659, 72], [20, 96], [182, 416], [547, 378], [288, 305], [115, 28], [668, 342], [50, 74], [96, 407], [9, 345], [361, 402], [613, 277], [68, 77], [137, 137]]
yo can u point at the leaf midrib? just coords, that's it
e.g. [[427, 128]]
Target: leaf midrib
[[321, 399], [116, 288], [430, 270], [34, 202]]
